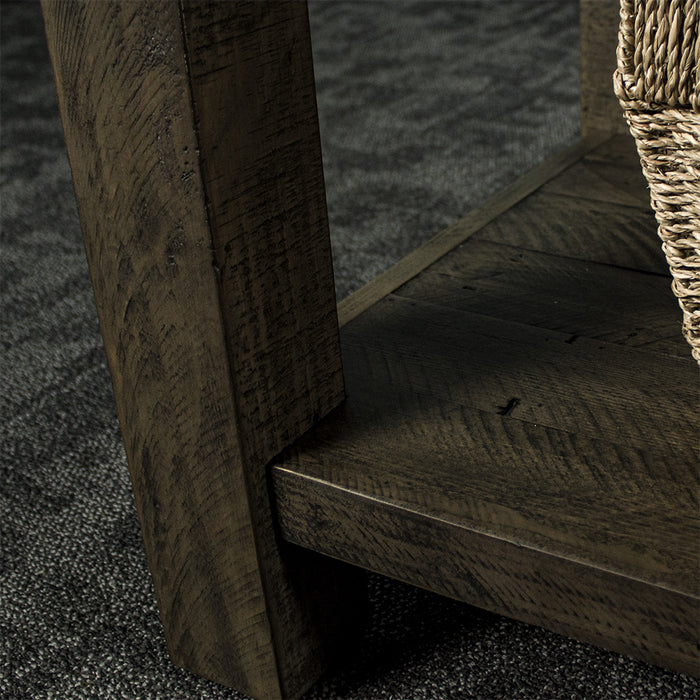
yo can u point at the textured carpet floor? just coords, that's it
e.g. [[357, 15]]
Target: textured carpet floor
[[425, 108]]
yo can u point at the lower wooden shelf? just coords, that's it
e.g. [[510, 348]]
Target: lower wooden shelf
[[521, 430]]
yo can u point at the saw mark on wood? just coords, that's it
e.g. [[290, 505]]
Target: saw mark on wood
[[509, 407]]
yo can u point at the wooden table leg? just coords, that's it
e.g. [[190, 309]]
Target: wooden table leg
[[193, 138], [600, 110]]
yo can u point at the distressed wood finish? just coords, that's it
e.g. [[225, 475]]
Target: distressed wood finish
[[585, 229], [254, 99], [414, 263], [600, 110], [521, 430], [192, 134], [498, 574], [611, 173], [557, 293]]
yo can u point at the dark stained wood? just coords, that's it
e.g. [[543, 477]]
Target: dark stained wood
[[192, 135], [610, 173], [462, 230], [501, 458], [254, 100], [579, 298], [509, 441], [497, 470], [586, 387], [501, 575], [600, 110], [605, 182], [585, 229], [619, 150]]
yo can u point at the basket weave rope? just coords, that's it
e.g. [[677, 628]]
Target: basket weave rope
[[658, 84]]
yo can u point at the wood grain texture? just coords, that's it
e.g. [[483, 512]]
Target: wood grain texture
[[520, 433], [439, 245], [586, 387], [600, 110], [468, 458], [560, 292], [191, 131], [619, 149], [571, 296], [254, 98], [475, 457], [610, 173], [506, 577], [584, 229]]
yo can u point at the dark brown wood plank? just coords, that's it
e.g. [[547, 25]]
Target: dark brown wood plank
[[595, 231], [587, 387], [557, 490], [472, 453], [586, 602], [620, 150], [610, 173], [499, 464], [462, 230], [600, 110], [605, 182], [263, 176], [254, 100], [191, 131], [563, 294]]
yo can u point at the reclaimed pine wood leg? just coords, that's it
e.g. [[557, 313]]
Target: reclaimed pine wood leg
[[192, 133]]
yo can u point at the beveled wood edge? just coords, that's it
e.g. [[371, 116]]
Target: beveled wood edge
[[281, 472], [441, 244], [294, 515]]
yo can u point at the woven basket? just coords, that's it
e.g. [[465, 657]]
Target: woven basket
[[658, 84]]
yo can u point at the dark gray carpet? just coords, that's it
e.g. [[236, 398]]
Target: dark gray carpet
[[426, 108]]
